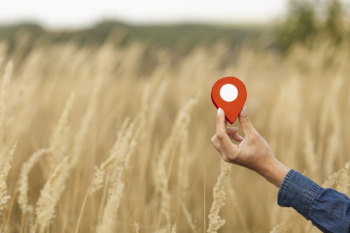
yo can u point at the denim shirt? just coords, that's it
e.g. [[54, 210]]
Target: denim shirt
[[327, 209]]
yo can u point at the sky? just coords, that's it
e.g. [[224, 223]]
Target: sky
[[83, 13]]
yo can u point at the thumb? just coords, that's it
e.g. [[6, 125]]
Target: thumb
[[246, 125]]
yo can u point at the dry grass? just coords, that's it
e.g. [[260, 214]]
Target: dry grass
[[219, 196], [148, 177]]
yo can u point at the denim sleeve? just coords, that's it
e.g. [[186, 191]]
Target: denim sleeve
[[327, 209]]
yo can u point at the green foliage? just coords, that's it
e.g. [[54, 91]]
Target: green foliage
[[298, 26], [334, 23], [308, 19]]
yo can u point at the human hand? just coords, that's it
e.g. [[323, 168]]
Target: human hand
[[252, 151]]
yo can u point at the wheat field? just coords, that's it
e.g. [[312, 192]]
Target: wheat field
[[100, 139]]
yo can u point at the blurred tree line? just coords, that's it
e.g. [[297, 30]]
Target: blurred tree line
[[178, 40], [308, 19], [305, 21], [183, 36]]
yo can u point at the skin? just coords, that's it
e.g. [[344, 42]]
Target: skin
[[252, 152]]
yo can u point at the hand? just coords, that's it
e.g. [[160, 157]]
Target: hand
[[252, 152]]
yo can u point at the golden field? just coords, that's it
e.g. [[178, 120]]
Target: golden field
[[103, 140]]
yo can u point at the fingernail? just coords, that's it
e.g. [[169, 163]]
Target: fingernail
[[244, 110], [240, 137], [219, 111]]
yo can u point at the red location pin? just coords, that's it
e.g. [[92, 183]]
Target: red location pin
[[229, 94]]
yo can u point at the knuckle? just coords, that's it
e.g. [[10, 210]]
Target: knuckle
[[220, 136], [225, 159], [234, 154], [232, 157], [245, 121], [255, 136], [213, 139]]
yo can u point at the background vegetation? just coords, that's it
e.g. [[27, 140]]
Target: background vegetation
[[105, 135]]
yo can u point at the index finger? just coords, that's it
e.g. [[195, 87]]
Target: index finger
[[227, 147], [221, 125]]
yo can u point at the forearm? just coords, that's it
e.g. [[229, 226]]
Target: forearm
[[274, 173]]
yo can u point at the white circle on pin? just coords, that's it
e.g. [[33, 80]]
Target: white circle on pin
[[228, 92]]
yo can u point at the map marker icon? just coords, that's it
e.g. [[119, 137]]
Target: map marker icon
[[229, 94]]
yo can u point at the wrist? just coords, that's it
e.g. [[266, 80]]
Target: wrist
[[274, 172]]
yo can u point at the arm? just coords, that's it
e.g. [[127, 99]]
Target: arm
[[328, 209]]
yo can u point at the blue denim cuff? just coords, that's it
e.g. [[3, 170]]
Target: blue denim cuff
[[297, 191]]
